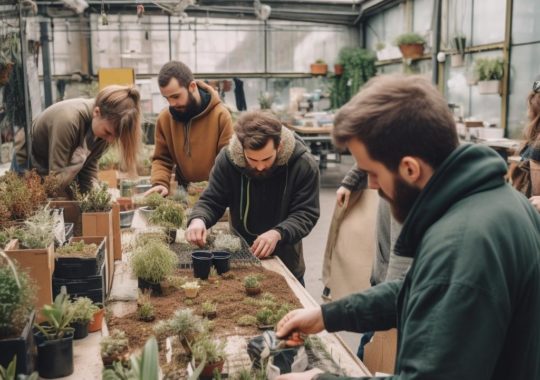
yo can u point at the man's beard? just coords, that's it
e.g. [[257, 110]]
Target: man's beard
[[186, 112], [254, 173], [404, 198]]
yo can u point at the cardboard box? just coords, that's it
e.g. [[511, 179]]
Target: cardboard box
[[40, 266], [101, 224], [380, 353]]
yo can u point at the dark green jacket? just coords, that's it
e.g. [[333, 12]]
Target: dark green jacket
[[286, 200], [469, 307]]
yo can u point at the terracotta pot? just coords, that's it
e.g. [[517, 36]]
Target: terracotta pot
[[412, 50], [191, 292], [253, 291], [208, 370], [97, 321], [319, 68], [338, 69]]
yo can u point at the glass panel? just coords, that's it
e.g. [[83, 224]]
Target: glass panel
[[106, 42], [489, 20], [422, 16], [66, 47], [525, 69], [374, 29], [183, 39], [526, 25], [394, 24], [230, 46], [293, 47], [486, 107], [457, 90]]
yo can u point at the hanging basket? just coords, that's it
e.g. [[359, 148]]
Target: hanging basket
[[412, 50]]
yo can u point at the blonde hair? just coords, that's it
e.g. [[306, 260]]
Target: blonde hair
[[532, 131], [122, 106]]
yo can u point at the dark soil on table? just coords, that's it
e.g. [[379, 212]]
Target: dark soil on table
[[227, 293]]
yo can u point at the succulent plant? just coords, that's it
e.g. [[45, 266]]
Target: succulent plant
[[184, 323], [251, 281], [227, 242], [145, 312], [83, 310], [114, 346]]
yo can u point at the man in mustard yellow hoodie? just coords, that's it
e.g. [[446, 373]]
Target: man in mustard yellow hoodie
[[191, 132]]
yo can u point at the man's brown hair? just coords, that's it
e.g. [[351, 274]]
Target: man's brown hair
[[396, 116], [254, 128], [177, 70]]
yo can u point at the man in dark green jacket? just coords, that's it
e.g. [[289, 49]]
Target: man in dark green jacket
[[270, 182], [469, 307]]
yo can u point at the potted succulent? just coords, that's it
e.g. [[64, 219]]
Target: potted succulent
[[213, 276], [211, 353], [170, 216], [145, 309], [191, 288], [252, 285], [114, 348], [141, 367], [319, 67], [411, 45], [209, 309], [489, 71], [185, 324], [149, 203], [152, 263], [16, 316], [97, 319], [54, 339], [83, 312]]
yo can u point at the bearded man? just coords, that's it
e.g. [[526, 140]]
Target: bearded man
[[469, 306], [270, 182], [191, 132]]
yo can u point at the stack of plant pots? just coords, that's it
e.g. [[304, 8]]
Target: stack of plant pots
[[83, 277]]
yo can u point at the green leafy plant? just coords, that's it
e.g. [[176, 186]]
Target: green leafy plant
[[152, 201], [153, 261], [207, 348], [83, 310], [17, 294], [77, 249], [209, 309], [320, 61], [489, 68], [168, 215], [409, 39], [10, 373], [145, 309], [58, 317], [176, 281], [114, 347], [97, 199], [20, 196], [143, 367]]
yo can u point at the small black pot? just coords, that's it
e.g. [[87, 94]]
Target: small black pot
[[171, 235], [155, 287], [202, 261], [221, 261], [81, 330], [55, 357]]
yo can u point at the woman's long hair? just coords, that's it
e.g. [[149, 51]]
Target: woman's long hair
[[533, 128], [122, 106]]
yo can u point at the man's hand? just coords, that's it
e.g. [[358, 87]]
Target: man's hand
[[160, 189], [307, 321], [343, 194], [535, 201], [308, 375], [265, 244], [196, 232]]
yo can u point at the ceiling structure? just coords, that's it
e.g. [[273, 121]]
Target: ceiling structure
[[341, 12]]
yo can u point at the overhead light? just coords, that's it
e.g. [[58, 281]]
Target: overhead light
[[262, 11]]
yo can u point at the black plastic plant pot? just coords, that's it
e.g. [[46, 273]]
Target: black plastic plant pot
[[222, 261], [153, 286], [171, 235], [126, 218], [81, 330], [22, 346], [55, 357], [202, 261]]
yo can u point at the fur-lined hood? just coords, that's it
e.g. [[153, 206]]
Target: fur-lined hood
[[291, 149]]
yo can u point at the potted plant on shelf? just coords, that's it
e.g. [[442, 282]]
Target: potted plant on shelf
[[54, 339], [252, 285], [114, 348], [145, 309], [319, 67], [83, 312], [490, 71], [411, 45], [212, 353], [170, 216], [191, 288], [152, 263], [97, 319], [16, 316]]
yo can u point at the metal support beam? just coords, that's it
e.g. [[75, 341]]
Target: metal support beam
[[27, 112], [436, 40], [46, 60], [506, 57]]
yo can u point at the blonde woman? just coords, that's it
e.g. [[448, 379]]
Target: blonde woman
[[69, 137], [530, 153]]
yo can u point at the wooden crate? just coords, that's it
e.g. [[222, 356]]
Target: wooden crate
[[101, 224]]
